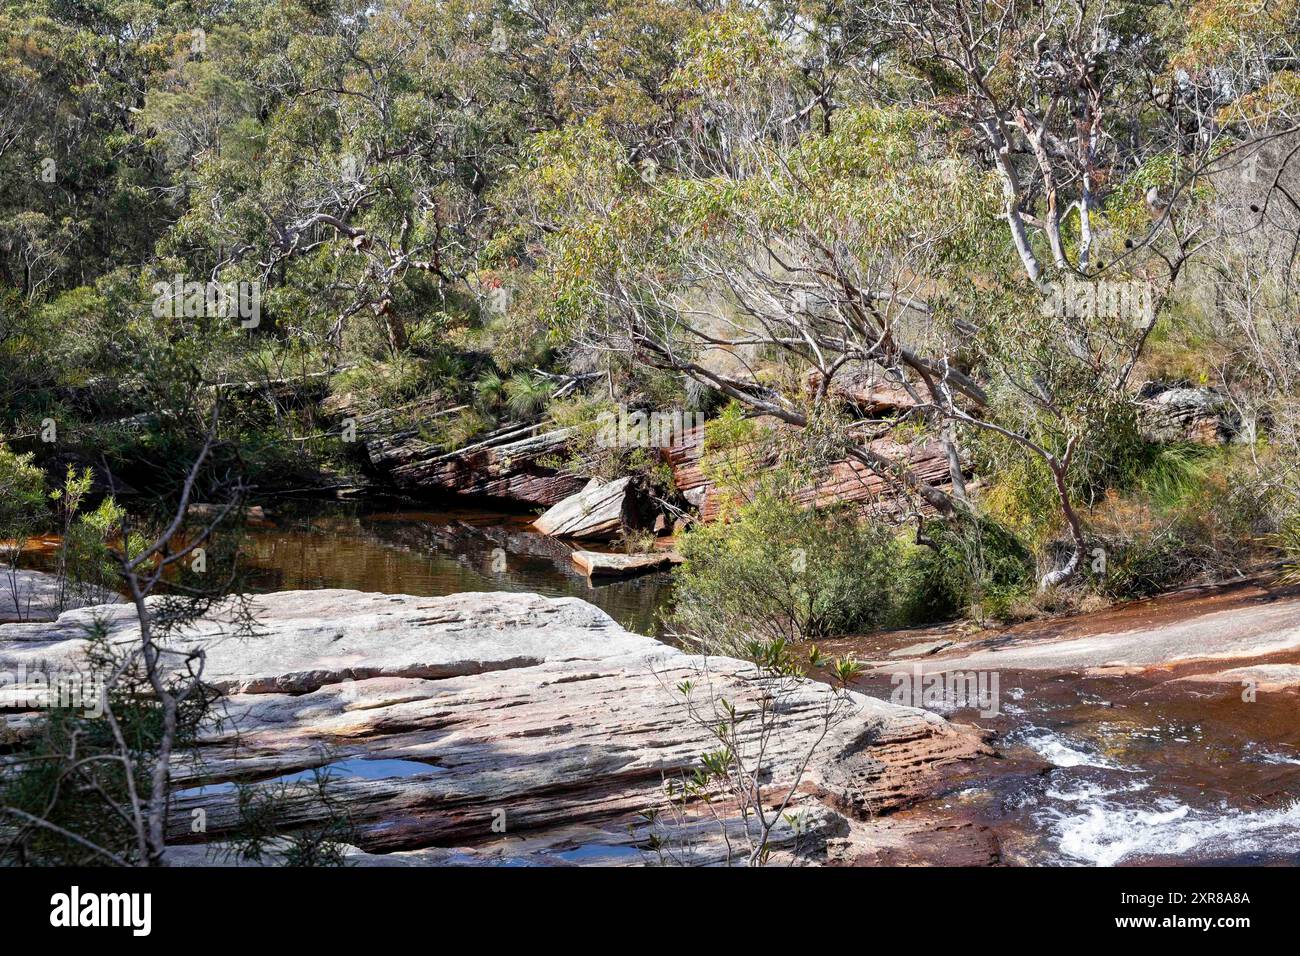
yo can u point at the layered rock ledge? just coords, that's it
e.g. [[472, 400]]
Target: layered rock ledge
[[511, 728]]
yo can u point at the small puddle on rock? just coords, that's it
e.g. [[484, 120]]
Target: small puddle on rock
[[594, 854], [357, 768]]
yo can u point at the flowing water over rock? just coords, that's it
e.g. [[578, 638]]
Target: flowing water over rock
[[1132, 766], [1131, 772]]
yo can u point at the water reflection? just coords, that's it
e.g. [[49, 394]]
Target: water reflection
[[436, 553]]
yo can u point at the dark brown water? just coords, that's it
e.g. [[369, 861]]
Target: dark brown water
[[436, 553]]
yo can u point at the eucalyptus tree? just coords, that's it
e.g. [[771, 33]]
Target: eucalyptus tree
[[78, 193], [323, 167], [872, 239], [1082, 106]]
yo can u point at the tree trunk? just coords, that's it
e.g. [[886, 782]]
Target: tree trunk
[[1071, 567]]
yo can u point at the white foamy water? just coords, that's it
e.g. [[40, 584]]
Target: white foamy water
[[1260, 755], [1091, 827], [1092, 817], [1059, 753]]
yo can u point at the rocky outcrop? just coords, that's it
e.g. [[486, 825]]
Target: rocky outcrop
[[512, 728], [684, 456], [1211, 633], [601, 510], [854, 481], [521, 465], [1261, 678], [842, 481], [861, 386], [1181, 413]]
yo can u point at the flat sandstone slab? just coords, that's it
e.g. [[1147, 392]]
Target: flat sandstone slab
[[1264, 678], [1252, 630], [598, 564], [37, 596], [514, 728]]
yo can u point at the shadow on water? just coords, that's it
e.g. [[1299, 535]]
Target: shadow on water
[[436, 553]]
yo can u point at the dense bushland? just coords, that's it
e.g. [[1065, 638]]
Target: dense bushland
[[452, 215]]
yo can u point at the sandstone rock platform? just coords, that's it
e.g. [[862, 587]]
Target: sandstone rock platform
[[491, 728]]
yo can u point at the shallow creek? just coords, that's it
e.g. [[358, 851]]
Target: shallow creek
[[1131, 769]]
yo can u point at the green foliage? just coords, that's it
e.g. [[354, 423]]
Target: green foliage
[[490, 388], [386, 384], [1114, 456], [461, 429], [777, 571], [22, 496], [70, 773], [974, 566], [526, 394], [1195, 515], [1171, 473], [637, 542], [82, 561], [721, 53], [1287, 540], [89, 563], [386, 175]]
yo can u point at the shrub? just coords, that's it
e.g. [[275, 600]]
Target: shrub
[[386, 384], [526, 394], [781, 572], [1021, 494], [1206, 524], [22, 511], [970, 566], [75, 772], [461, 429], [22, 496], [588, 454]]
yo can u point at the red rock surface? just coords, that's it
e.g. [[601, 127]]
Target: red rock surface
[[843, 481]]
